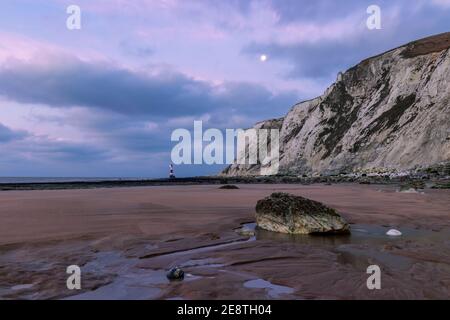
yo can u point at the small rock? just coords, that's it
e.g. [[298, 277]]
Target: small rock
[[393, 233], [175, 274], [229, 187]]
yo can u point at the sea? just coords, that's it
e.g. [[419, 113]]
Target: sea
[[62, 179]]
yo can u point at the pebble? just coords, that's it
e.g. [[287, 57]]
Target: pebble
[[394, 233]]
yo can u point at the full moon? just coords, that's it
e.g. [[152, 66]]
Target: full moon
[[263, 58]]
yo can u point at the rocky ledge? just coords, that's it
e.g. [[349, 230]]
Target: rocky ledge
[[286, 213]]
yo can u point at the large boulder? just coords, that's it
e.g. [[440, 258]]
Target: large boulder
[[286, 213]]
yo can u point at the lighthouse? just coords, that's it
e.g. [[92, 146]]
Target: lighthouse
[[171, 174]]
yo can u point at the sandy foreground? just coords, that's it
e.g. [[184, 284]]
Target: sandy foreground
[[124, 240]]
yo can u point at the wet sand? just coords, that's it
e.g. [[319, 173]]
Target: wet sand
[[125, 238]]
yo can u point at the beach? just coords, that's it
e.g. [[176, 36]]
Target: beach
[[125, 240]]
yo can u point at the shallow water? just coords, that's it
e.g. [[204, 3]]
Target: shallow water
[[131, 282], [210, 263], [22, 286], [204, 249], [360, 234], [273, 290], [357, 249], [364, 244]]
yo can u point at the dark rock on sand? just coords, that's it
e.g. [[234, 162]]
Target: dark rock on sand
[[229, 187], [441, 185], [286, 213], [175, 274], [412, 185]]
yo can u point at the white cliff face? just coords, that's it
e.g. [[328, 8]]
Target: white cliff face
[[389, 113]]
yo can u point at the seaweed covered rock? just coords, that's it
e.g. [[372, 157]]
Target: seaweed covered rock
[[286, 213], [229, 187], [175, 274]]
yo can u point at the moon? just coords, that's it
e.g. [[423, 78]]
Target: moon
[[263, 58]]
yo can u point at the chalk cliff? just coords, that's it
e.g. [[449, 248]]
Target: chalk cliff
[[389, 113]]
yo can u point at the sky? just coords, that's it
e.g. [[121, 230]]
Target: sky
[[103, 100]]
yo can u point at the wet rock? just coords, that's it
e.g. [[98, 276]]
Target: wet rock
[[286, 213], [441, 185], [393, 233], [175, 274], [412, 186], [229, 187]]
